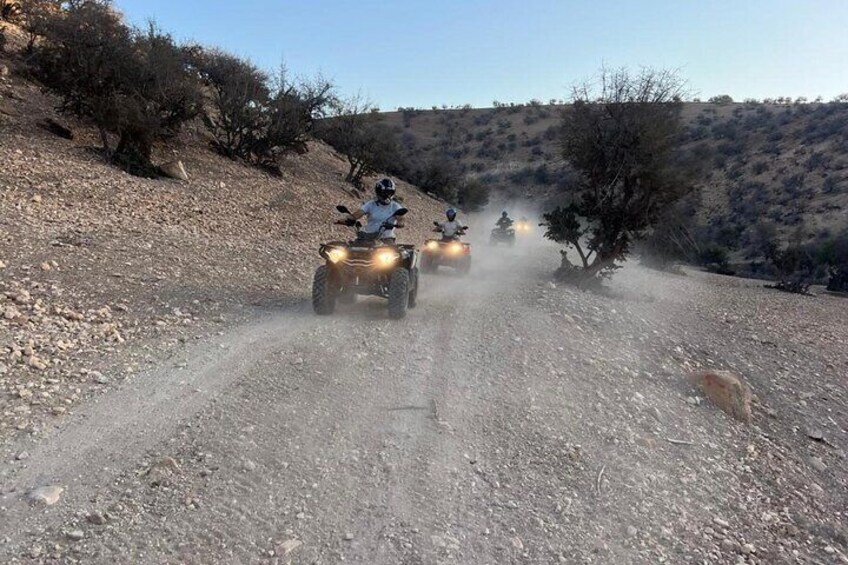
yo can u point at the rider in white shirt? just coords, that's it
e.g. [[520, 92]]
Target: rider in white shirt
[[379, 210], [452, 228]]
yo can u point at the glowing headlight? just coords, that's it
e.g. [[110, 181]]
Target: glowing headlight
[[337, 254], [432, 245], [386, 258], [456, 248]]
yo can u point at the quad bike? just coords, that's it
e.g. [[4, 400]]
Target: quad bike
[[502, 235], [448, 251], [523, 227], [366, 266]]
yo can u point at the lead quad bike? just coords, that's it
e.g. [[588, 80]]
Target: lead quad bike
[[367, 266], [447, 251], [502, 235]]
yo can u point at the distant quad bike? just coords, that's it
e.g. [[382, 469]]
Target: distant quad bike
[[502, 235], [366, 266], [448, 251], [523, 227]]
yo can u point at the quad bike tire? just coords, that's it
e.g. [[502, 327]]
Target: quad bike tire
[[399, 294], [323, 292], [413, 292]]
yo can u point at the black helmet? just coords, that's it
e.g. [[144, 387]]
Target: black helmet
[[451, 214], [504, 214], [385, 189]]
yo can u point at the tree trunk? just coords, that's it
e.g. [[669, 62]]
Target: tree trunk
[[134, 153]]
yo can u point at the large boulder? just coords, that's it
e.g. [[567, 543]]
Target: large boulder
[[728, 391], [174, 169]]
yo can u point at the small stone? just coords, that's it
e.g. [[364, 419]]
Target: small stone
[[249, 465], [348, 536], [729, 545], [99, 378], [728, 391], [22, 456], [721, 522], [36, 199], [288, 547], [632, 531], [517, 543], [693, 401], [96, 518], [749, 548], [47, 495], [46, 266], [818, 464], [829, 549], [76, 535]]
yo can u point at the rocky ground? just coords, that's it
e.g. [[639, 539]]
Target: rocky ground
[[167, 396], [504, 421], [99, 269]]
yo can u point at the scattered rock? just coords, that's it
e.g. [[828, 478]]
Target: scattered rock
[[348, 536], [749, 548], [175, 170], [75, 535], [727, 391], [632, 531], [36, 199], [22, 456], [818, 464], [56, 128], [97, 518], [4, 71], [815, 434], [517, 543], [47, 495], [288, 547]]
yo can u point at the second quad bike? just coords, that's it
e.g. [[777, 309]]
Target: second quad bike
[[447, 251], [502, 235], [366, 265], [523, 227]]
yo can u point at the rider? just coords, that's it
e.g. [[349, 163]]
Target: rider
[[452, 228], [380, 210], [504, 221]]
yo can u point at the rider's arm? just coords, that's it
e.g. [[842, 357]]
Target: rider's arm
[[358, 214]]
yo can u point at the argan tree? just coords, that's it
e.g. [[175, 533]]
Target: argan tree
[[131, 83], [355, 130], [621, 136]]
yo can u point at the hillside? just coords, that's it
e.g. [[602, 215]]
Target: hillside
[[92, 258], [786, 165]]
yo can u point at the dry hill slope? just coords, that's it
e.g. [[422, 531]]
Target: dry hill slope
[[92, 257]]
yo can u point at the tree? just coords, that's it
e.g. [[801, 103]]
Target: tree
[[355, 130], [239, 92], [721, 99], [35, 16], [621, 137], [472, 195], [131, 83]]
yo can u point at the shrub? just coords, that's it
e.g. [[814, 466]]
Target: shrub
[[130, 83], [239, 92]]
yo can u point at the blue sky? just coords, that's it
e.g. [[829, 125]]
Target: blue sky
[[421, 53]]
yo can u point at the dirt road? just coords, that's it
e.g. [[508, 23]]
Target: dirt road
[[503, 421]]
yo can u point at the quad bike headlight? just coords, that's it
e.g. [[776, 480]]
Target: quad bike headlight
[[432, 245], [455, 248], [337, 254], [386, 258]]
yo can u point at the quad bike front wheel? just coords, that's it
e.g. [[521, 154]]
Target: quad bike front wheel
[[465, 267], [323, 292], [399, 294]]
